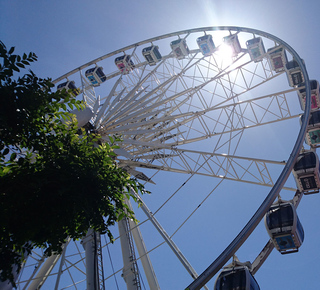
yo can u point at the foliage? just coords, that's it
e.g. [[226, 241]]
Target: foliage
[[54, 182]]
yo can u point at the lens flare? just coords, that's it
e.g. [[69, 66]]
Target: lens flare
[[225, 52]]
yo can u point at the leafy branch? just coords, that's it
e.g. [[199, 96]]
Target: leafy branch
[[56, 181]]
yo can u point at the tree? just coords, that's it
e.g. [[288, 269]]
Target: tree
[[56, 181]]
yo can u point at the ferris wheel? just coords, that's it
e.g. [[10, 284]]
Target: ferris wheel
[[201, 114]]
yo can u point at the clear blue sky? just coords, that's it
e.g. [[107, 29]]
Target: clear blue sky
[[67, 34]]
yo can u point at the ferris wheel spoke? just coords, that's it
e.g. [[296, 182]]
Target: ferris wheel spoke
[[260, 111], [230, 167], [280, 110], [106, 102], [252, 105]]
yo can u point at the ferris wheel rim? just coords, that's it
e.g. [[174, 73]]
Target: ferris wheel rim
[[230, 28], [274, 192]]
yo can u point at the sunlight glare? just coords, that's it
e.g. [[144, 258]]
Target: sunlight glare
[[225, 52]]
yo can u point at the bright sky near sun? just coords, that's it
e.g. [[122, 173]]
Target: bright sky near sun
[[67, 34]]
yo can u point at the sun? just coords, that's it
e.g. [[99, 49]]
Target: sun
[[225, 52]]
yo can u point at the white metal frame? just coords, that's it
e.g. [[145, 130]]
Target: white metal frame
[[160, 111]]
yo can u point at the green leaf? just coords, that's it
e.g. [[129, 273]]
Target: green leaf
[[11, 50], [15, 69], [13, 156], [20, 161], [121, 216], [5, 170], [70, 106], [20, 65]]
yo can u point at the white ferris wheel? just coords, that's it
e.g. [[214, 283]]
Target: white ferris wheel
[[201, 113]]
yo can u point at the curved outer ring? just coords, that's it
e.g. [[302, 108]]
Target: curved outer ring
[[256, 218]]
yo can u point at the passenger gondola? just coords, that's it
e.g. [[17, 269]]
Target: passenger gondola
[[313, 129], [233, 42], [284, 227], [277, 58], [70, 87], [124, 63], [315, 95], [236, 277], [256, 49], [96, 76], [179, 48], [152, 54], [306, 172], [294, 73], [206, 44]]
